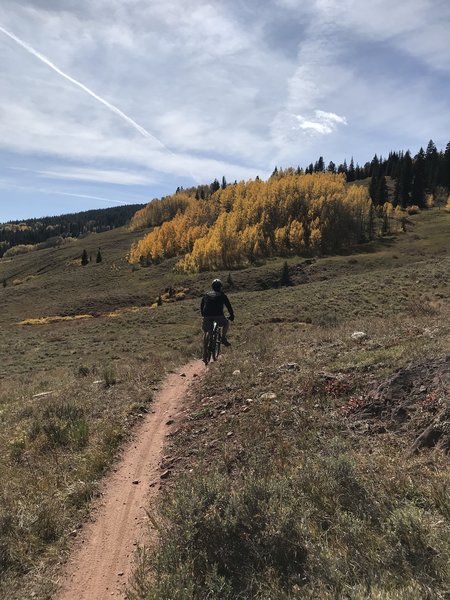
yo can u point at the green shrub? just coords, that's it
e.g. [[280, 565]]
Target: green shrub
[[110, 376]]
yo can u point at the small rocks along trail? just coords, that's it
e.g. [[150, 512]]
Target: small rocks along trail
[[102, 557]]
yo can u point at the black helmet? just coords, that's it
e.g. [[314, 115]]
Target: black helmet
[[216, 285]]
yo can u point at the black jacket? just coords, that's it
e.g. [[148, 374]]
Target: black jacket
[[213, 303]]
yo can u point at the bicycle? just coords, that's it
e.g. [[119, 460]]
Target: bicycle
[[212, 344]]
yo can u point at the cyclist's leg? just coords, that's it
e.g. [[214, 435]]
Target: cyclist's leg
[[225, 328], [207, 327], [206, 343], [224, 323]]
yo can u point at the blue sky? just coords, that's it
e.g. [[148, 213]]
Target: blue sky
[[106, 102]]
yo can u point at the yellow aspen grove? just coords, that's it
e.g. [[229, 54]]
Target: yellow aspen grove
[[282, 240], [248, 221], [296, 237]]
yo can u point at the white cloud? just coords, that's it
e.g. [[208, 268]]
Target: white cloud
[[322, 123], [212, 82], [98, 175]]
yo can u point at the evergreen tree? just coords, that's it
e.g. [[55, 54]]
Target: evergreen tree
[[445, 170], [382, 194], [84, 258], [351, 171], [285, 277], [343, 168], [331, 167], [319, 166], [419, 181], [99, 257], [374, 166], [404, 182], [224, 183], [431, 167], [373, 186], [215, 185]]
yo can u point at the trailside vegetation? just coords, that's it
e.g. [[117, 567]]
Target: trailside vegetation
[[242, 223]]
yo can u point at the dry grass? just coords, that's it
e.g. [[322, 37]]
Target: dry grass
[[55, 447], [278, 492]]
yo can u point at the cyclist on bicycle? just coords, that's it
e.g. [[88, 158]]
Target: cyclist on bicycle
[[212, 311]]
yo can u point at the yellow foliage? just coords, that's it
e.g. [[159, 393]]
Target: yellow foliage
[[289, 214], [59, 318], [55, 319], [296, 236]]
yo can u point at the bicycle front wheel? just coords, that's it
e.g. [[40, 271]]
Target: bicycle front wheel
[[207, 347], [216, 343]]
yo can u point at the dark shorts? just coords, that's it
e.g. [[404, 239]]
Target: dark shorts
[[208, 322]]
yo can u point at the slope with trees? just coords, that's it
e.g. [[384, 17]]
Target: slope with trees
[[31, 232], [296, 211], [241, 223]]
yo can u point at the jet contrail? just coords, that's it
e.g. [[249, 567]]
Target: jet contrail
[[111, 107]]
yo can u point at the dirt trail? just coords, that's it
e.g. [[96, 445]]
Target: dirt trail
[[102, 558]]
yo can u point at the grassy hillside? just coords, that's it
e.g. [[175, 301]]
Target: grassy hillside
[[18, 237], [295, 474], [71, 388]]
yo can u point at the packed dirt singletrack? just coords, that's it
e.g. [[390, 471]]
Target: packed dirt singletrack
[[102, 557]]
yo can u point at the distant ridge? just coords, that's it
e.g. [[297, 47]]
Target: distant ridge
[[38, 230]]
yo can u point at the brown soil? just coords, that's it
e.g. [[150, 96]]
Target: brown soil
[[414, 400], [102, 559]]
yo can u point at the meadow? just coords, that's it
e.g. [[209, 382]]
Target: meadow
[[321, 504]]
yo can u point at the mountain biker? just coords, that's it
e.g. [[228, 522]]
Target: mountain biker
[[212, 311]]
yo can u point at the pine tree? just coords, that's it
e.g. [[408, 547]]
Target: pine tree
[[84, 258], [404, 182], [215, 185], [99, 257], [382, 195], [431, 167], [343, 168], [224, 183], [445, 181], [319, 166], [418, 185], [285, 277], [373, 188], [351, 171]]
